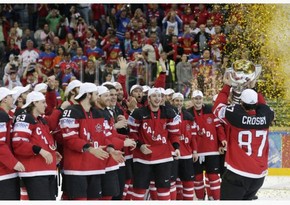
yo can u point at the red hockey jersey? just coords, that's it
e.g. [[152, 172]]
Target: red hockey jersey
[[78, 129], [28, 132], [159, 133], [7, 159], [208, 131], [187, 137], [248, 146]]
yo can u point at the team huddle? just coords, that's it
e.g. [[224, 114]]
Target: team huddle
[[111, 145]]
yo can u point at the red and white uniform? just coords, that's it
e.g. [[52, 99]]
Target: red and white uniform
[[29, 132], [208, 131], [248, 146], [7, 159], [160, 132], [80, 129], [187, 138]]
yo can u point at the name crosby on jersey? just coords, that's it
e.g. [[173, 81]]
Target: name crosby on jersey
[[248, 120]]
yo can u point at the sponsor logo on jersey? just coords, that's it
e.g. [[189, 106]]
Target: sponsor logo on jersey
[[3, 127], [98, 128], [67, 121], [209, 120], [21, 125], [187, 127]]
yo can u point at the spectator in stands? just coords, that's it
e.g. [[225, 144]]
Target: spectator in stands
[[28, 35], [53, 19], [193, 27], [202, 38], [47, 57], [174, 50], [153, 27], [46, 35], [201, 14], [30, 54], [72, 18], [184, 74], [80, 29], [113, 50], [12, 79], [60, 56], [187, 15], [43, 11], [12, 48], [210, 27], [122, 23], [111, 19], [172, 19], [90, 72], [170, 70]]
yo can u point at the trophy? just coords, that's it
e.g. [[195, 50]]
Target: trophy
[[241, 74]]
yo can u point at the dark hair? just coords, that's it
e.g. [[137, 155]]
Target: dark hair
[[29, 108], [110, 87], [82, 97], [249, 106]]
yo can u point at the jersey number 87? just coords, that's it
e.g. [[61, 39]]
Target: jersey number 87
[[249, 135]]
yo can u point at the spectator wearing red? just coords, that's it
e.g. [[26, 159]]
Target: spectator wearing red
[[98, 10], [47, 57], [187, 15], [201, 14], [94, 52], [174, 49], [113, 50], [216, 15], [9, 183], [43, 10], [186, 39]]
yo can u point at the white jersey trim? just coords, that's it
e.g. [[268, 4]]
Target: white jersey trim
[[170, 159], [37, 173], [247, 174], [8, 176], [207, 153], [84, 173]]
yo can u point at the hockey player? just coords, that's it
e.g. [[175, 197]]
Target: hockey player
[[209, 133], [154, 127], [85, 146], [247, 151], [188, 148], [35, 147], [9, 165]]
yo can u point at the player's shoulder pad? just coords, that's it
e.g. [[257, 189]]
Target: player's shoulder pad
[[138, 113], [73, 111], [187, 115], [26, 117], [167, 112], [97, 113], [207, 109], [4, 117]]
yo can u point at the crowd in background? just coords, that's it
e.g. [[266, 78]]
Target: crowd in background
[[84, 41]]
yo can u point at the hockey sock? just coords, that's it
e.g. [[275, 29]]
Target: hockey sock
[[207, 187], [188, 190], [163, 193], [173, 192], [138, 194], [215, 185], [199, 186], [153, 191], [179, 186]]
